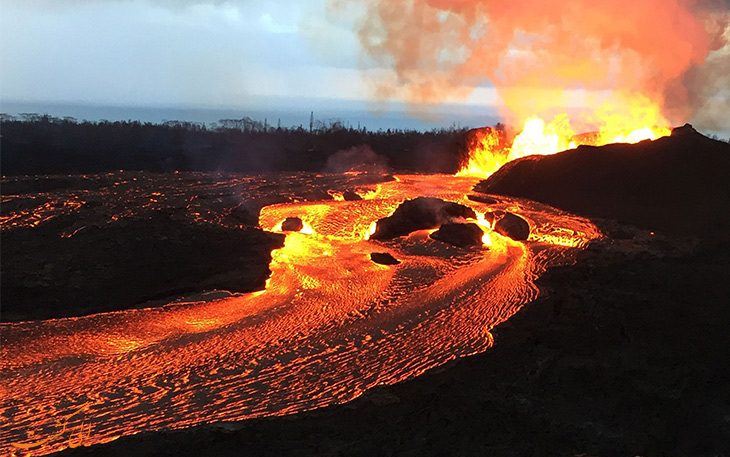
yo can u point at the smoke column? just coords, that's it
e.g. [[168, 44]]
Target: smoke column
[[660, 60]]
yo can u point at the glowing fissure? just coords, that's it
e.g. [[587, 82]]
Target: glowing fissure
[[330, 324]]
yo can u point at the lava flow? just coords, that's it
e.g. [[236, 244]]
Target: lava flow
[[330, 324]]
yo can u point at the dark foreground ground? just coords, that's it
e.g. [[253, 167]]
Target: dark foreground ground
[[84, 244], [623, 353]]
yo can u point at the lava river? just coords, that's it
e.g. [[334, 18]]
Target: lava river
[[330, 325]]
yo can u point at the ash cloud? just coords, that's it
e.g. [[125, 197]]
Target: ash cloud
[[535, 52], [707, 99]]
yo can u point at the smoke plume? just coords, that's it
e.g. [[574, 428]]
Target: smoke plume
[[625, 56], [358, 158]]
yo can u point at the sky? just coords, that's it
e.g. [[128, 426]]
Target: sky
[[214, 54], [224, 54], [166, 51]]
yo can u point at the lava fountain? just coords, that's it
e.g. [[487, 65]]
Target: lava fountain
[[624, 70], [489, 149]]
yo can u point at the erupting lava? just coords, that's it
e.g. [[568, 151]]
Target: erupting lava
[[622, 69], [489, 149]]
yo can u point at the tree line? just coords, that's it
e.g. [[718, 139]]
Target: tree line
[[41, 144]]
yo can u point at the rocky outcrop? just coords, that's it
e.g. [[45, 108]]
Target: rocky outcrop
[[384, 258], [686, 129], [482, 199], [292, 224], [675, 184], [419, 214], [351, 196], [513, 226], [461, 235]]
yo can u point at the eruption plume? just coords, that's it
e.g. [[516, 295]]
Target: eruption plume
[[621, 64]]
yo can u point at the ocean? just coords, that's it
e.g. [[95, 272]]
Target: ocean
[[278, 112]]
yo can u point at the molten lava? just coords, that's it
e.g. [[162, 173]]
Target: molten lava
[[330, 324], [489, 148]]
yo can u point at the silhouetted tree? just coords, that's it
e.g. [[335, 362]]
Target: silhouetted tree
[[40, 144]]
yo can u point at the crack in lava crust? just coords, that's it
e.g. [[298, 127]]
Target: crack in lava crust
[[330, 325]]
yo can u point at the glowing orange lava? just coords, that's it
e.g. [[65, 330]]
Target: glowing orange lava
[[489, 148], [330, 324]]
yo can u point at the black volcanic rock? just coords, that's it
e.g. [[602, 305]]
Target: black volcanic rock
[[418, 214], [675, 184], [482, 199], [461, 235], [384, 258], [491, 216], [513, 226], [126, 263], [351, 196], [292, 224], [686, 129]]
